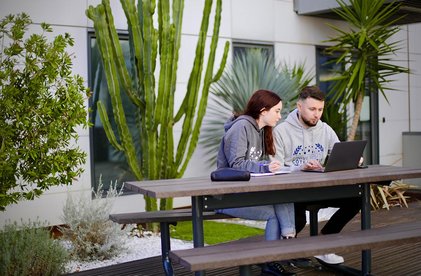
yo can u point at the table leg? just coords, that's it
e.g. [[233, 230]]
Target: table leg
[[197, 220], [165, 248], [366, 224]]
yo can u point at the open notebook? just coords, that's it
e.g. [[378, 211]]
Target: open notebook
[[284, 170], [344, 156]]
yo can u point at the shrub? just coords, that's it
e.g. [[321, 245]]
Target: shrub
[[29, 250], [41, 105], [92, 235]]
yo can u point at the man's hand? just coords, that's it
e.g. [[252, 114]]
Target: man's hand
[[312, 165]]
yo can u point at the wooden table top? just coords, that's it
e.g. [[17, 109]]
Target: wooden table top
[[201, 186]]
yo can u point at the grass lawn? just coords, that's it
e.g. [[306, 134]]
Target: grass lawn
[[215, 232]]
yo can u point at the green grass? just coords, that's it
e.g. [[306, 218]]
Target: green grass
[[215, 232]]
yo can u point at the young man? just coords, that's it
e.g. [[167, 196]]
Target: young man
[[302, 142]]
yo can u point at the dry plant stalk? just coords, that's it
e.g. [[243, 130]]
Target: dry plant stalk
[[392, 195]]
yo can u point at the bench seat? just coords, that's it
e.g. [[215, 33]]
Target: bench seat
[[242, 254]]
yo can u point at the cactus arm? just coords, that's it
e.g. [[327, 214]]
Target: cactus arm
[[165, 105], [223, 63], [107, 126], [149, 82], [189, 101], [125, 79], [148, 9], [182, 109], [136, 41], [193, 86], [97, 15], [178, 8], [205, 90], [162, 110], [164, 31]]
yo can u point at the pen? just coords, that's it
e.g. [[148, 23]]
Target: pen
[[265, 166]]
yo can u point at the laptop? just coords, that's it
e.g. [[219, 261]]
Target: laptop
[[344, 156]]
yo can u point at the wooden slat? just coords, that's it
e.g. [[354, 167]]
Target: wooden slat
[[162, 216], [231, 255]]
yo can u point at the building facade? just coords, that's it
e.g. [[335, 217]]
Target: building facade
[[274, 23]]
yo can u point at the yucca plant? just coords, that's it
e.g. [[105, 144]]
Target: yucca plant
[[366, 52], [250, 70]]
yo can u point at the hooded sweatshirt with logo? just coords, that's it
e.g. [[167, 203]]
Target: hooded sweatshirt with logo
[[295, 145], [242, 146]]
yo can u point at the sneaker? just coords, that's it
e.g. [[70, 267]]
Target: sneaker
[[275, 269], [330, 258]]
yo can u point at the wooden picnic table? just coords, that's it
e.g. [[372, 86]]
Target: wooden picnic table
[[294, 187]]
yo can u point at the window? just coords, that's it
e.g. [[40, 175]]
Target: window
[[107, 162], [239, 47]]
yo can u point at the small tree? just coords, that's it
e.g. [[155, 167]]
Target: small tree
[[41, 104], [365, 52]]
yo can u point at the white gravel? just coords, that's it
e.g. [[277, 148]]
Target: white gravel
[[136, 249]]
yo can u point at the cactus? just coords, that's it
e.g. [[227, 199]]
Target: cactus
[[154, 100]]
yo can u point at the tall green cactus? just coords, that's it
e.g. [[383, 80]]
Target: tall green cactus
[[161, 159]]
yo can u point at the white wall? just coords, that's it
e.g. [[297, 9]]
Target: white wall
[[261, 21], [402, 113]]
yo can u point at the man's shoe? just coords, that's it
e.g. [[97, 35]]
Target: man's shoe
[[330, 258], [275, 269], [301, 262]]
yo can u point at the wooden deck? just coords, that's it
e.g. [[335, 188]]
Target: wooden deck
[[398, 260]]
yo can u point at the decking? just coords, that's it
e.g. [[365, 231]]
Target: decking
[[398, 260]]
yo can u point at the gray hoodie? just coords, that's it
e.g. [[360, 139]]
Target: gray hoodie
[[295, 145], [242, 146]]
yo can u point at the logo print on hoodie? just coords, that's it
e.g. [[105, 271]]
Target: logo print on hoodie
[[302, 154], [255, 154]]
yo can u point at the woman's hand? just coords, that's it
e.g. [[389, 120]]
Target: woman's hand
[[312, 165], [274, 165]]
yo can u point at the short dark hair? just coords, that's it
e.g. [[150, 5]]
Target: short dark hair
[[312, 92]]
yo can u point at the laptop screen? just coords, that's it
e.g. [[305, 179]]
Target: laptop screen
[[345, 155]]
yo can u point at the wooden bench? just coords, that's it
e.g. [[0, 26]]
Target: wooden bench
[[165, 218], [245, 254]]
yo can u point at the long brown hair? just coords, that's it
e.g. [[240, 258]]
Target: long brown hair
[[263, 100]]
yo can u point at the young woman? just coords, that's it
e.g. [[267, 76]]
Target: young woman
[[246, 145]]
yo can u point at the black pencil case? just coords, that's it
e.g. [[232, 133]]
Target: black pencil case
[[229, 174]]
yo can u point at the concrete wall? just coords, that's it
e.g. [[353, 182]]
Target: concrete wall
[[259, 21]]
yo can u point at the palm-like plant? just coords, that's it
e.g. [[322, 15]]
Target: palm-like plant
[[366, 52], [251, 70]]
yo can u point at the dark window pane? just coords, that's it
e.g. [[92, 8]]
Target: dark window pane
[[242, 47], [107, 162]]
